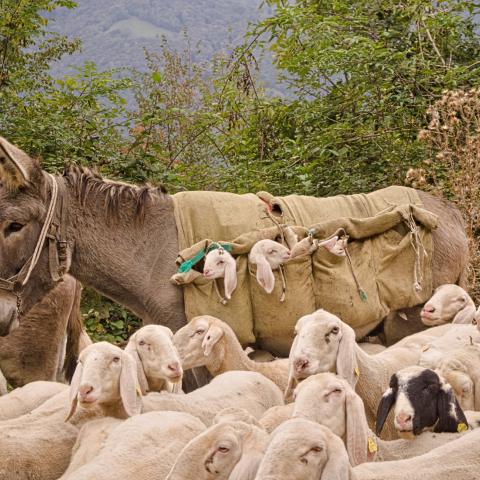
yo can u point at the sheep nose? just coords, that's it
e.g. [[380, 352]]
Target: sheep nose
[[428, 308], [300, 364], [403, 419], [175, 368], [85, 390], [206, 272]]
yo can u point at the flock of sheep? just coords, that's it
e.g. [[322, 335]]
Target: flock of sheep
[[317, 415]]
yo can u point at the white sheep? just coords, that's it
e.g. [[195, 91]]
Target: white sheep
[[142, 447], [220, 264], [158, 363], [208, 341], [449, 303], [331, 401], [335, 245], [248, 390], [230, 449], [268, 255], [300, 449], [458, 459], [461, 369], [326, 344], [27, 398], [38, 445]]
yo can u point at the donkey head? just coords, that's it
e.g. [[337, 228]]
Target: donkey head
[[24, 196]]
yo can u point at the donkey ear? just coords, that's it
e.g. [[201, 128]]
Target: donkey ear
[[213, 335], [74, 387], [129, 389], [16, 167], [131, 348], [347, 366], [465, 315], [265, 275], [450, 414], [386, 403], [230, 279], [357, 429], [338, 464]]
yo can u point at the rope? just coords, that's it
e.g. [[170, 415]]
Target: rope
[[419, 250], [43, 233], [361, 292]]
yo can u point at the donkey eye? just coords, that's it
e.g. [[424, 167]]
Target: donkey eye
[[13, 227]]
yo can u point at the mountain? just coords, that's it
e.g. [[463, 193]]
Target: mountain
[[114, 33]]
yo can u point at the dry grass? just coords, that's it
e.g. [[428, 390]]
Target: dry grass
[[453, 170]]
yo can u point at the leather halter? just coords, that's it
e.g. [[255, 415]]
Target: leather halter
[[53, 231]]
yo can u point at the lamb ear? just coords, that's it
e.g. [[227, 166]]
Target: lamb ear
[[465, 315], [330, 243], [129, 388], [357, 429], [213, 335], [338, 464], [386, 403], [292, 381], [450, 414], [131, 348], [16, 167], [347, 366], [74, 387], [265, 275], [230, 279]]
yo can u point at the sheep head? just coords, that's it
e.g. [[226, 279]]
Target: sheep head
[[323, 343], [105, 376], [198, 343], [156, 357], [449, 303], [220, 264]]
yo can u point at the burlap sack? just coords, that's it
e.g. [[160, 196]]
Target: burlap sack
[[389, 254]]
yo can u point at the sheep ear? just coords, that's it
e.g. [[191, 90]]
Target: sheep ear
[[131, 348], [450, 414], [347, 366], [16, 167], [292, 381], [246, 468], [465, 315], [265, 275], [230, 279], [338, 464], [129, 389], [357, 429], [213, 335], [74, 387], [386, 403]]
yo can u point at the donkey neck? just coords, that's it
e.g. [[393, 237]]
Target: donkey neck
[[126, 259]]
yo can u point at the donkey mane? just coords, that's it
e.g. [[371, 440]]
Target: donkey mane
[[87, 183]]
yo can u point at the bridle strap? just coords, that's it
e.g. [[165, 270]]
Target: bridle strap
[[56, 235]]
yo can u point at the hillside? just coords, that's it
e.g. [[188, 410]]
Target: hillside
[[115, 33]]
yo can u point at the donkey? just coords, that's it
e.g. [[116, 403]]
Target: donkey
[[122, 239]]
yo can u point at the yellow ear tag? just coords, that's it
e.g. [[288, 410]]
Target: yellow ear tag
[[425, 348], [461, 427], [372, 445], [357, 371]]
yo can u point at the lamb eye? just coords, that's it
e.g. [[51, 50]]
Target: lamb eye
[[141, 343], [220, 262], [116, 359], [13, 227]]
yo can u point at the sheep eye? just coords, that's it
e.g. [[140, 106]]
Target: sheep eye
[[335, 390], [223, 449], [116, 359], [199, 331], [220, 262], [13, 227], [141, 343], [317, 449], [335, 330], [304, 461]]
